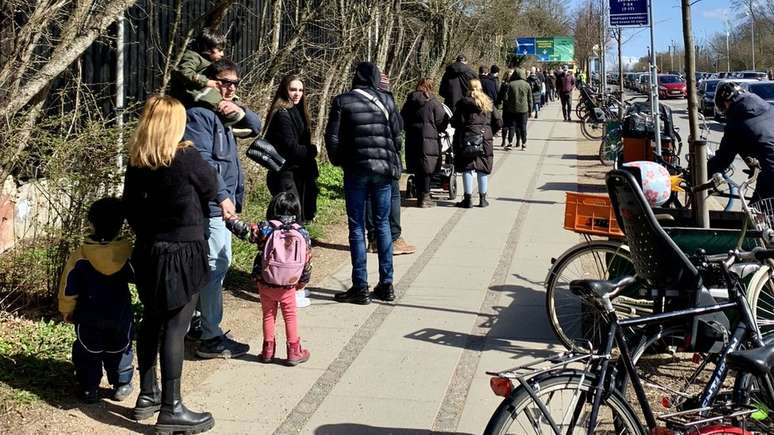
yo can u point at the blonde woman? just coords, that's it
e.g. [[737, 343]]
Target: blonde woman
[[166, 183], [475, 122]]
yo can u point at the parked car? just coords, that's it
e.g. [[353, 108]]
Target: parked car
[[755, 75], [764, 89], [671, 86], [643, 84], [707, 96]]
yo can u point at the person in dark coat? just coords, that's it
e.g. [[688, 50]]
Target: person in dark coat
[[287, 128], [488, 83], [565, 83], [749, 132], [166, 191], [423, 118], [517, 103], [455, 82], [363, 137], [536, 86], [475, 116], [494, 74]]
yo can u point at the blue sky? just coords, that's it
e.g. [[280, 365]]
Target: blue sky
[[708, 18]]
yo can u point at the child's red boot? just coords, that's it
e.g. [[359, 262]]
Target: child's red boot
[[267, 354], [297, 354]]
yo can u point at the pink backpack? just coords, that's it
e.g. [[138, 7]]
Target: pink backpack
[[284, 255]]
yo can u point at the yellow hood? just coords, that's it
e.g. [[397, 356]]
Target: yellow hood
[[107, 258]]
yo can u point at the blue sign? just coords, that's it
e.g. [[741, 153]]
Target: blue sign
[[525, 46], [629, 13]]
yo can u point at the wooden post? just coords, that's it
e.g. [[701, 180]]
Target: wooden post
[[698, 149]]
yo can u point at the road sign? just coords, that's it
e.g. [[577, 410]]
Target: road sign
[[548, 49], [629, 13], [544, 48], [525, 46]]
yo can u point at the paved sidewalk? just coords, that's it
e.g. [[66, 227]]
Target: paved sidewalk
[[470, 300]]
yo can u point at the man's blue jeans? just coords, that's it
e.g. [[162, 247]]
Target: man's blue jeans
[[211, 296], [377, 189]]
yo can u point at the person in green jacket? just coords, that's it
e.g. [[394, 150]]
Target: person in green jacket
[[190, 84], [517, 103]]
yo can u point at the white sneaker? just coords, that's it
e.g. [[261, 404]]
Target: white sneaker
[[301, 299], [306, 292]]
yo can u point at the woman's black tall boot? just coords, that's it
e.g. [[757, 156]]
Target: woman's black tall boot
[[175, 417], [467, 201], [149, 400]]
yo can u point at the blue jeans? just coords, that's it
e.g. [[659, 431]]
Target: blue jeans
[[377, 189], [211, 296], [467, 182], [395, 229]]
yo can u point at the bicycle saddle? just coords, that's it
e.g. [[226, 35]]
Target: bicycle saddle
[[595, 289], [756, 361]]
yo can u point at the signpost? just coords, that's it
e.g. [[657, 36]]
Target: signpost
[[628, 13], [547, 49]]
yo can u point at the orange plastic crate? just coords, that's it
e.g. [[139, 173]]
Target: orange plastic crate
[[590, 214]]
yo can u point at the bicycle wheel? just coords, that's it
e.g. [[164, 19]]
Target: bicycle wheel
[[608, 151], [566, 398], [760, 295], [593, 130], [580, 110], [574, 320]]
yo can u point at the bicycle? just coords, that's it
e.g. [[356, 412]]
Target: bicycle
[[571, 321], [592, 397]]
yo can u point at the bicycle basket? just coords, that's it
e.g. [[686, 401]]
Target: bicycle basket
[[763, 214]]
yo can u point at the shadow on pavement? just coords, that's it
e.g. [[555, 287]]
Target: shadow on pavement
[[579, 157], [528, 201], [360, 429], [574, 187]]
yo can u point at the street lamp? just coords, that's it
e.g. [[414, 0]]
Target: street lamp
[[752, 34]]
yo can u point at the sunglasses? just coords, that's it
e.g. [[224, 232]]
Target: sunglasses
[[227, 82]]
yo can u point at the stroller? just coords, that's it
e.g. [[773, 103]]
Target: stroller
[[445, 177]]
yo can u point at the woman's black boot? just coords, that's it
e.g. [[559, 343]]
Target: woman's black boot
[[482, 202], [175, 417], [149, 400], [467, 201]]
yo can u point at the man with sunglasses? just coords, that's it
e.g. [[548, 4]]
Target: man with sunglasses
[[217, 145]]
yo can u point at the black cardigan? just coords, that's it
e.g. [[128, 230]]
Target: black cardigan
[[168, 203]]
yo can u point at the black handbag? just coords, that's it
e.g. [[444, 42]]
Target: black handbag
[[264, 153], [472, 145]]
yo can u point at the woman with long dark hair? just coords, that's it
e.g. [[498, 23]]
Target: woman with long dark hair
[[288, 129], [423, 118]]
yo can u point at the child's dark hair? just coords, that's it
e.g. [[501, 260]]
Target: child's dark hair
[[207, 40], [106, 215], [284, 204]]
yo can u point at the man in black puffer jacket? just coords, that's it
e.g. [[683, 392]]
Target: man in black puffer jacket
[[363, 137], [749, 132]]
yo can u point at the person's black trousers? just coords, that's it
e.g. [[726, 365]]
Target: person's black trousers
[[304, 187], [422, 183], [95, 348], [520, 127], [566, 105], [163, 330]]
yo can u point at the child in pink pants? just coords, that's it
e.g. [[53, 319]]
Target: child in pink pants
[[284, 208]]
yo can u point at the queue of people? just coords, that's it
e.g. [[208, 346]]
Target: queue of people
[[184, 190]]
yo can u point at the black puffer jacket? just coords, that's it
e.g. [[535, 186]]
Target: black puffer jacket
[[290, 135], [423, 118], [749, 132], [455, 83], [359, 138], [469, 119]]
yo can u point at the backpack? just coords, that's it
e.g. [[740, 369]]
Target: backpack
[[284, 255], [535, 85]]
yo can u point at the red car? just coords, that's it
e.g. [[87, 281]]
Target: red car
[[671, 86]]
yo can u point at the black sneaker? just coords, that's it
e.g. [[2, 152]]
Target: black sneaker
[[221, 347], [194, 330], [121, 392], [354, 295], [89, 395], [384, 292]]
